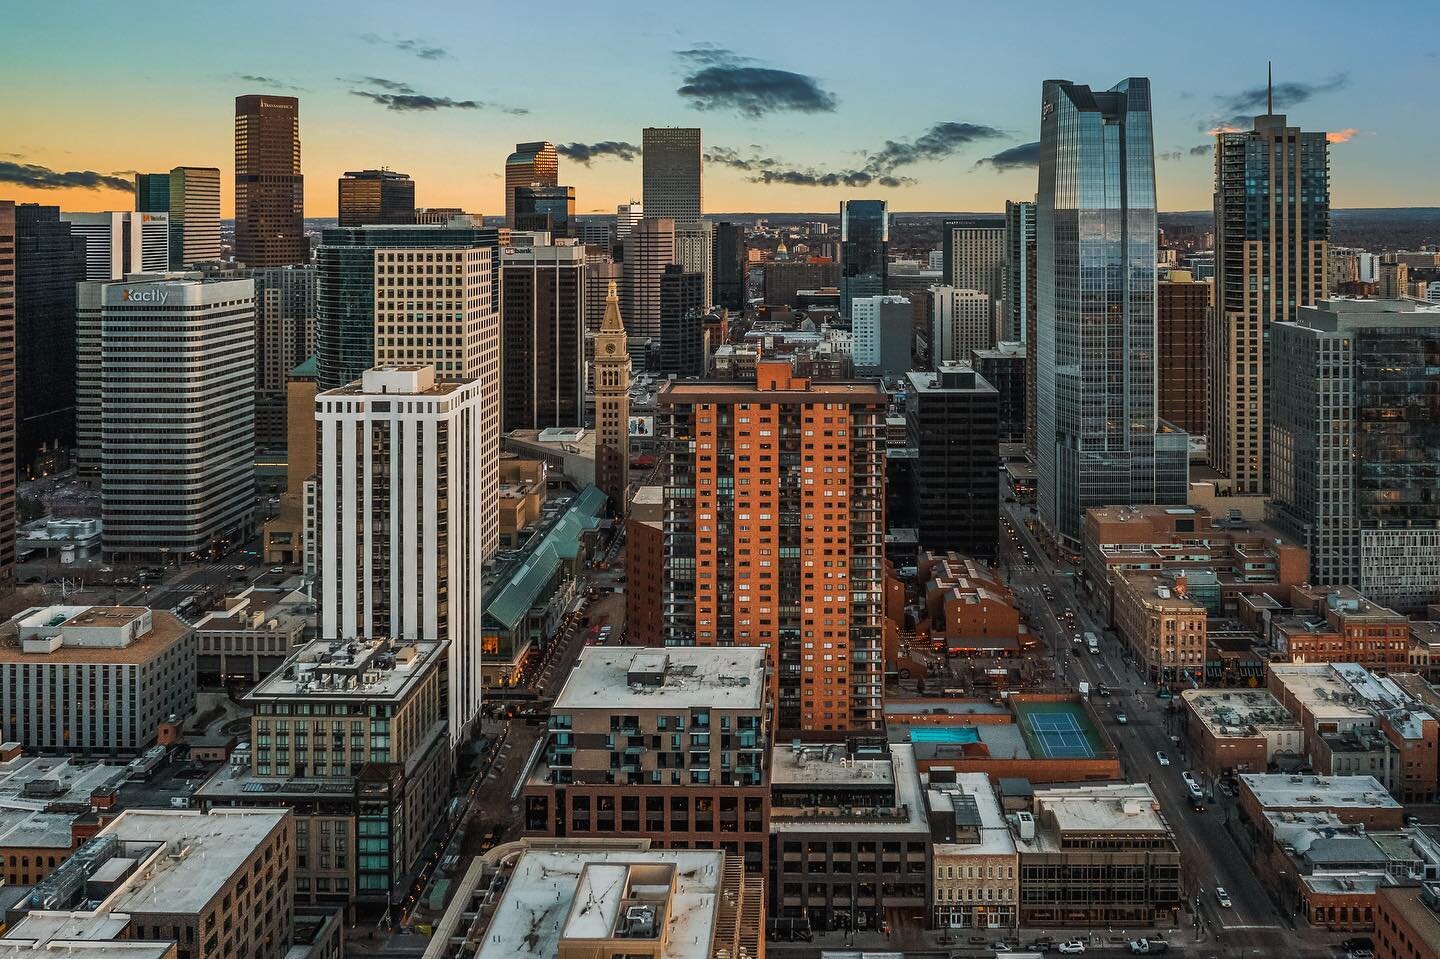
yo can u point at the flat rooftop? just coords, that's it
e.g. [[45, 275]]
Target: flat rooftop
[[898, 772], [40, 798], [977, 797], [165, 631], [1113, 808], [716, 677], [826, 391], [1238, 712], [1299, 793], [538, 906], [370, 669]]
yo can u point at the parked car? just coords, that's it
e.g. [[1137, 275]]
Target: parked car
[[1072, 947], [1162, 759], [1122, 719]]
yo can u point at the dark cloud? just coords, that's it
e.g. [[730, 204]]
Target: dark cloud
[[416, 47], [265, 81], [769, 170], [718, 79], [44, 178], [1015, 158], [937, 143], [586, 152], [1203, 150], [402, 97], [1171, 155], [1236, 110]]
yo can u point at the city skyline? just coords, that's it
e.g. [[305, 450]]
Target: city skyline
[[775, 116]]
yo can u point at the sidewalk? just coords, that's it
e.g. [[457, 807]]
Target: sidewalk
[[964, 941]]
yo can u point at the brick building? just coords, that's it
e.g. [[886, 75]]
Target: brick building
[[1407, 922], [1163, 626], [645, 567], [1239, 730], [1338, 625], [969, 607]]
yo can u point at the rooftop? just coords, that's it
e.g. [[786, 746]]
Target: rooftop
[[1334, 691], [512, 586], [1299, 793], [370, 669], [1157, 592], [628, 677], [795, 768], [978, 802], [1419, 906], [40, 798], [411, 381], [1125, 808], [1238, 712], [166, 630]]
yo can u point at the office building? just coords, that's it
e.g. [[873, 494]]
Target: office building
[[118, 244], [672, 173], [783, 280], [975, 869], [532, 164], [1407, 921], [250, 634], [364, 313], [376, 197], [974, 259], [446, 215], [283, 539], [597, 232], [625, 900], [1004, 368], [610, 373], [645, 566], [822, 625], [626, 216], [729, 272], [49, 262], [695, 251], [682, 334], [194, 215], [269, 186], [543, 329], [169, 884], [1272, 237], [152, 193], [122, 669], [8, 285], [649, 248], [864, 250], [1339, 625], [1098, 439], [1032, 348], [1019, 240], [670, 743], [402, 560], [352, 740], [881, 326], [1181, 304], [1355, 448], [285, 338], [961, 321], [548, 209], [175, 451], [953, 421]]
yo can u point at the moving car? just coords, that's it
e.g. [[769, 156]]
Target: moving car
[[1072, 947], [1222, 897], [1122, 719], [1162, 759]]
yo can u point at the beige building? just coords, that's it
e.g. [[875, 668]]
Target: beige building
[[250, 635], [284, 536], [611, 372], [975, 868], [1163, 627]]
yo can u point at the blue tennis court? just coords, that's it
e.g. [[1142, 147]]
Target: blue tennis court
[[1060, 736]]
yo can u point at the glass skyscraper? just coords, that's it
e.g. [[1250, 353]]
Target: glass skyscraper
[[1099, 441], [864, 243], [152, 193], [547, 208]]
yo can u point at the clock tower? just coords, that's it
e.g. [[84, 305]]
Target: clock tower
[[612, 405]]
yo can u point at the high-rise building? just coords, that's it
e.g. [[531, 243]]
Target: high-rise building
[[401, 557], [8, 282], [532, 164], [749, 514], [1272, 238], [728, 273], [974, 254], [1098, 439], [953, 420], [649, 248], [348, 310], [165, 410], [695, 251], [120, 243], [285, 338], [864, 250], [1181, 305], [451, 322], [1019, 237], [283, 537], [543, 328], [782, 280], [550, 209], [672, 173], [682, 334], [1355, 443], [611, 382], [443, 215], [269, 187], [961, 320], [49, 262], [194, 215], [1003, 367], [1032, 348], [152, 193], [882, 331], [377, 197]]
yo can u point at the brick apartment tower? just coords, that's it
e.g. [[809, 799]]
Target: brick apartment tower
[[269, 189], [774, 528], [8, 246], [1181, 305], [612, 405]]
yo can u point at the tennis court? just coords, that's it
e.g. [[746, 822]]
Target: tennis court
[[1057, 730]]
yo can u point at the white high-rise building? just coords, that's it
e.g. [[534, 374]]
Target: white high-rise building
[[649, 248], [120, 243], [165, 410], [672, 172], [695, 251], [402, 517], [626, 216], [194, 215], [960, 321]]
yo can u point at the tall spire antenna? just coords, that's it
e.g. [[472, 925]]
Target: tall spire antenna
[[1269, 87]]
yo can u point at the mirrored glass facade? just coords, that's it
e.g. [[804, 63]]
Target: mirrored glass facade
[[864, 242]]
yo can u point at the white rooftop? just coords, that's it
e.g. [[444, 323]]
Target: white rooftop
[[729, 677], [995, 836], [350, 669], [1111, 808], [1321, 792], [899, 772]]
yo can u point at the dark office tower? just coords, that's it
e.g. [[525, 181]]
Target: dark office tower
[[194, 215], [1003, 367], [952, 416], [1019, 237], [7, 394], [729, 269], [682, 335], [864, 249], [1180, 350], [152, 193], [49, 261], [376, 197], [672, 173], [1098, 438], [1031, 348], [542, 367], [1355, 441], [548, 208], [1272, 238], [269, 188], [284, 339], [532, 164]]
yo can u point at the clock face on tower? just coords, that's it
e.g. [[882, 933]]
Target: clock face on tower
[[609, 347]]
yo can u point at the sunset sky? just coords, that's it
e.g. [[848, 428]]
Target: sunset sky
[[905, 101]]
